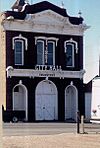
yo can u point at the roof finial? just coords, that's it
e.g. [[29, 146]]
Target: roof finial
[[31, 2], [79, 13], [62, 4]]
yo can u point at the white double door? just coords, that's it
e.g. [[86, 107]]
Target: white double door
[[46, 101]]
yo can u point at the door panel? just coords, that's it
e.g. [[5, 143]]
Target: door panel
[[39, 107], [49, 107], [45, 107]]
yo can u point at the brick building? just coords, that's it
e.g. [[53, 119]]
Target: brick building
[[42, 61]]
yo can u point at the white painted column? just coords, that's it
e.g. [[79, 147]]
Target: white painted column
[[1, 126]]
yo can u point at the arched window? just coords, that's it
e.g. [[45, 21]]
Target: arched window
[[70, 51], [19, 44], [46, 50]]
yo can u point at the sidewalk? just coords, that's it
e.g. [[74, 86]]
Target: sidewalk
[[53, 141]]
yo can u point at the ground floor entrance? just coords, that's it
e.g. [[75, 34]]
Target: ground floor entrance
[[46, 100], [46, 106], [71, 102]]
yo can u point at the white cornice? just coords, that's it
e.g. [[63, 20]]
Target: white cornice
[[31, 73], [45, 22], [19, 25]]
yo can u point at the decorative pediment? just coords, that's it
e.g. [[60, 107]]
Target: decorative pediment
[[48, 17], [46, 21]]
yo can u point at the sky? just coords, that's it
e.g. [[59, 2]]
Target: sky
[[90, 10]]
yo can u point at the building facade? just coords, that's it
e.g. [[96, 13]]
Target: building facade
[[43, 62]]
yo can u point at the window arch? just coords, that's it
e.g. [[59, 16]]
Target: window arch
[[19, 44], [70, 48]]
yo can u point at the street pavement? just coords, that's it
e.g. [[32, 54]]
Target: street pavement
[[25, 129]]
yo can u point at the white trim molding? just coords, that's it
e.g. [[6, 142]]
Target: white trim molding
[[46, 39], [20, 37], [71, 41], [31, 73]]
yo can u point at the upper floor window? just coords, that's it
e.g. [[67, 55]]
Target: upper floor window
[[51, 53], [46, 50], [70, 48], [19, 44], [69, 55], [40, 52], [19, 52]]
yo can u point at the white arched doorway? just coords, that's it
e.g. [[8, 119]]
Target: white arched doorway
[[46, 101], [20, 99], [71, 102]]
